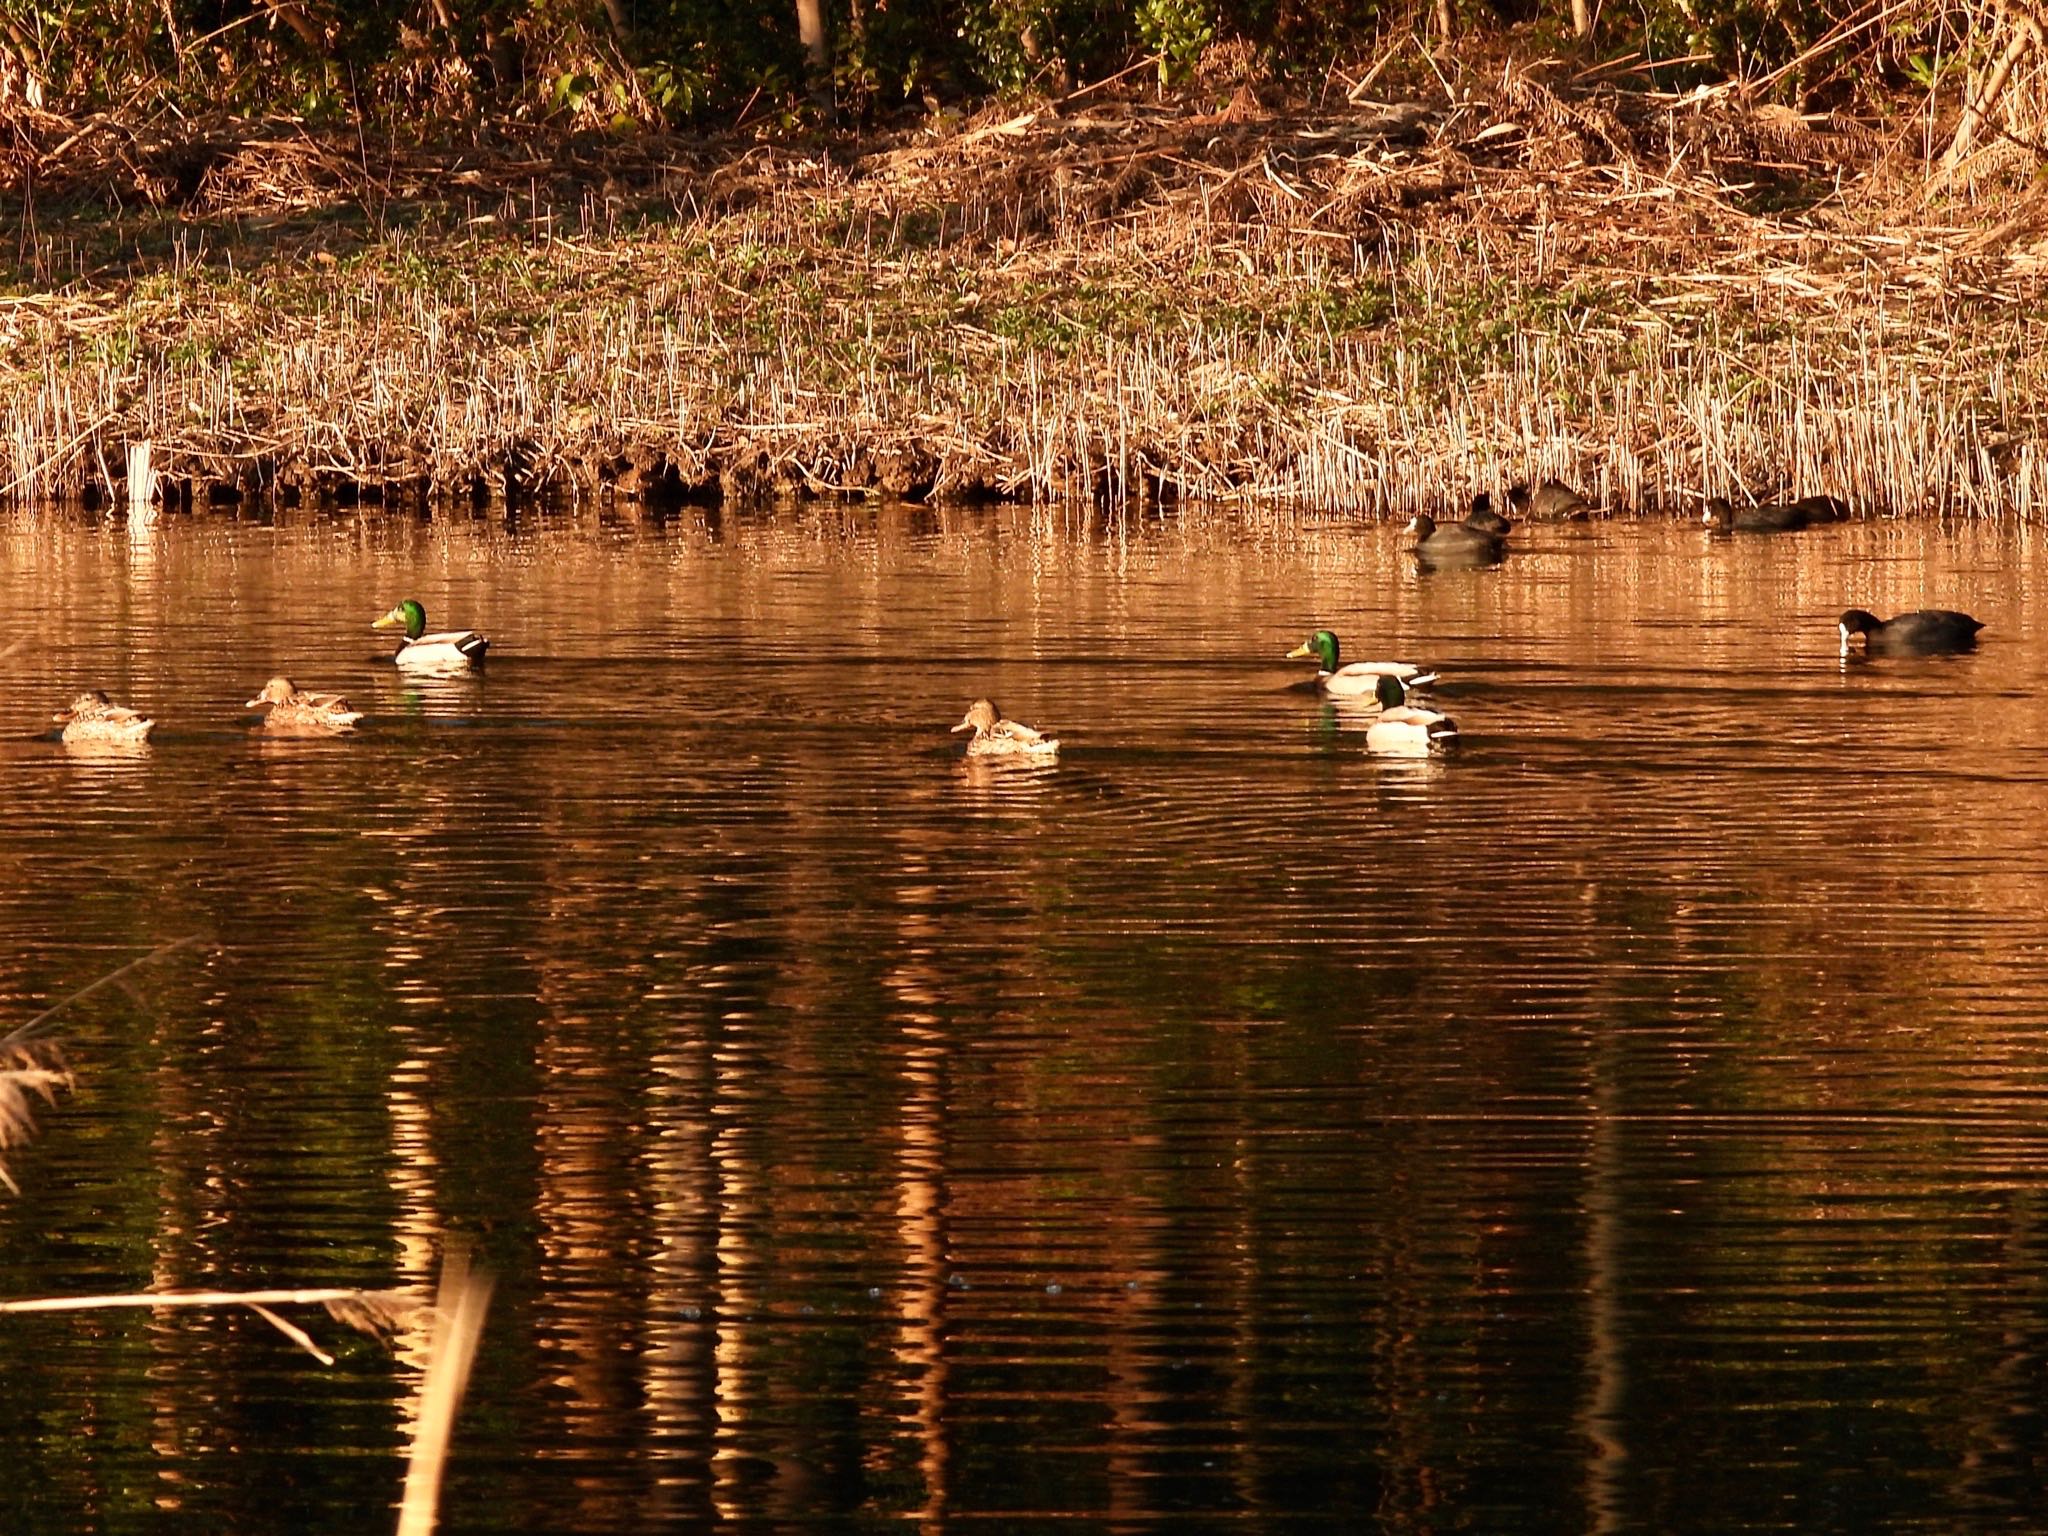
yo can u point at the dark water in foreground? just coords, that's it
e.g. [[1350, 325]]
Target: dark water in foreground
[[1639, 1122]]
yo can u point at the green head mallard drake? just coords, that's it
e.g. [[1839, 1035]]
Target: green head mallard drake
[[294, 712], [1765, 517], [996, 737], [95, 718], [452, 650], [1455, 543], [1402, 730], [1923, 632], [1356, 679], [1551, 502]]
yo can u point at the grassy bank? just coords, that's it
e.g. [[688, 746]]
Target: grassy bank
[[1379, 303]]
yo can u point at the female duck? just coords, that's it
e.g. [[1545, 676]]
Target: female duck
[[1456, 543], [996, 737], [1403, 730], [1924, 632], [94, 718], [452, 650], [1357, 679], [297, 713]]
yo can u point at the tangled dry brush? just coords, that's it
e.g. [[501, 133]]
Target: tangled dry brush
[[1344, 302]]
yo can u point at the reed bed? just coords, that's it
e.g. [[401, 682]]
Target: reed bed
[[1370, 306]]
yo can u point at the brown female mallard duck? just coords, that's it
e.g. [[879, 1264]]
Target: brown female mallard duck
[[996, 737], [93, 717], [296, 712]]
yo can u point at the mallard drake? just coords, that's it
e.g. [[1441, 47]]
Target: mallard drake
[[1485, 519], [1766, 517], [1357, 679], [93, 717], [1455, 543], [1924, 632], [452, 650], [1403, 730], [293, 712], [1551, 502], [996, 737]]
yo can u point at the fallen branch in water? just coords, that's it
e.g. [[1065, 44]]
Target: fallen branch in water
[[459, 1306], [376, 1313], [368, 1311]]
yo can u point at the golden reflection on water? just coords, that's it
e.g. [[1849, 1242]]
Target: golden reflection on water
[[916, 982], [855, 1122], [113, 756]]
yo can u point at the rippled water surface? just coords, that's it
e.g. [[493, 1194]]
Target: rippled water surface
[[1637, 1121]]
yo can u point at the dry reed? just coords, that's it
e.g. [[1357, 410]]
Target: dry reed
[[459, 1307], [32, 1065], [1379, 307], [460, 1303], [31, 1071]]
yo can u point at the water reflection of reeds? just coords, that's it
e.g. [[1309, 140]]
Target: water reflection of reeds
[[1220, 1121]]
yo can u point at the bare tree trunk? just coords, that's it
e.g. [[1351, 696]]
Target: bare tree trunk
[[2026, 34], [25, 59], [810, 27], [1582, 20], [300, 24], [1445, 20], [615, 12]]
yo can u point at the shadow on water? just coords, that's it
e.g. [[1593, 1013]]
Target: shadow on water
[[1630, 1120]]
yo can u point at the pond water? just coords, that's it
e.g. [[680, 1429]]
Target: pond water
[[1637, 1120]]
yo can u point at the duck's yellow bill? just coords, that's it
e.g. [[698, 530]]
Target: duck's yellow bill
[[1300, 651], [390, 620]]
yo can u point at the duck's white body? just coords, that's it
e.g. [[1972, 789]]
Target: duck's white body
[[1009, 739], [453, 650], [1405, 731], [1361, 679], [996, 737]]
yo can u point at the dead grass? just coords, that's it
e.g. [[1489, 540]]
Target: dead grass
[[31, 1072], [32, 1062], [1357, 303]]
